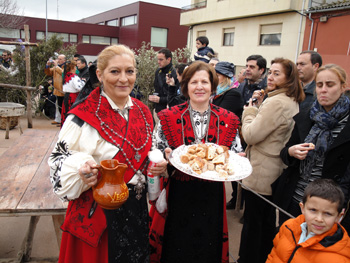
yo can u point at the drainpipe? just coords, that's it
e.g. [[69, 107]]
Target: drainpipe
[[299, 33], [311, 31], [190, 38]]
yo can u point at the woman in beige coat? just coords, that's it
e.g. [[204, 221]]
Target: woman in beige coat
[[267, 126]]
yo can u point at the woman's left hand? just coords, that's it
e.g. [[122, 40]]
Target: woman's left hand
[[250, 104], [160, 168]]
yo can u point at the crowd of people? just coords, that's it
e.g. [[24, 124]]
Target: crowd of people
[[289, 119], [67, 77]]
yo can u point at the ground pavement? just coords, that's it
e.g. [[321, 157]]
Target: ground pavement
[[13, 229]]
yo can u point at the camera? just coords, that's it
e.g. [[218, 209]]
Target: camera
[[253, 101], [169, 75]]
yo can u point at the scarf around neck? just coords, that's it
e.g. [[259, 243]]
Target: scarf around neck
[[221, 89], [321, 132]]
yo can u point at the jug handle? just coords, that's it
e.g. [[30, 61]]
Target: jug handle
[[99, 168]]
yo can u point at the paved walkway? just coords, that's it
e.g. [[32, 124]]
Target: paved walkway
[[12, 229]]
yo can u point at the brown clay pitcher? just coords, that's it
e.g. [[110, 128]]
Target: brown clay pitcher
[[111, 192]]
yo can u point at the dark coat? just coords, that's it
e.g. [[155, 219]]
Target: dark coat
[[336, 163], [84, 74], [310, 97], [204, 54], [246, 89], [161, 87], [230, 100]]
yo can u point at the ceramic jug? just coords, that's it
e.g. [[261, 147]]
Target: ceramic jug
[[111, 192]]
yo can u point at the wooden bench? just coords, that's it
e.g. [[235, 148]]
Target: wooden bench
[[25, 185]]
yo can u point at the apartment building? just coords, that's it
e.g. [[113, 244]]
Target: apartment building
[[239, 28]]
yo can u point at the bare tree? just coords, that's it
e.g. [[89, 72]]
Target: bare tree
[[10, 14]]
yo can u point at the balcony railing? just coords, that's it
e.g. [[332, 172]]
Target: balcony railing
[[194, 6]]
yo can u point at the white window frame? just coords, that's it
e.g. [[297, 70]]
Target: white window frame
[[113, 22], [159, 37], [228, 37], [270, 34], [129, 20]]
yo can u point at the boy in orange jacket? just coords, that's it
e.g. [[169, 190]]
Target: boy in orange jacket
[[316, 235]]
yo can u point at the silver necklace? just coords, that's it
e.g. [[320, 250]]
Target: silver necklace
[[148, 131], [139, 187]]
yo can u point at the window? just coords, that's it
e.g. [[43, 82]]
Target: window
[[9, 33], [40, 35], [73, 38], [129, 20], [159, 37], [101, 23], [114, 41], [229, 36], [100, 40], [201, 33], [113, 22], [270, 34], [86, 39], [63, 36]]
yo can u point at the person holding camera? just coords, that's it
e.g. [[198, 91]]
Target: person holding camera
[[161, 88], [54, 69]]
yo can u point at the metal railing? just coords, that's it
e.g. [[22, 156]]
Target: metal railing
[[194, 6]]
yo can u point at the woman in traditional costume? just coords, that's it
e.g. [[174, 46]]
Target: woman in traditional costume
[[194, 226], [72, 85], [108, 124]]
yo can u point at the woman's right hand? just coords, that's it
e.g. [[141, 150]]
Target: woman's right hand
[[259, 96], [170, 81], [88, 173], [299, 151]]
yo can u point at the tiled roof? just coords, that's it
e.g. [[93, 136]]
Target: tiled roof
[[334, 5]]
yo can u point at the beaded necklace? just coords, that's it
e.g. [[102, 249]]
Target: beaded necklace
[[105, 128]]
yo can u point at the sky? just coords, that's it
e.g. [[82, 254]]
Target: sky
[[73, 10]]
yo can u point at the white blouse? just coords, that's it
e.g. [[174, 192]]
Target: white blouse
[[74, 85], [75, 146]]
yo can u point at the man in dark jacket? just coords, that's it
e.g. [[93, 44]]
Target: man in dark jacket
[[83, 68], [161, 88], [254, 77], [308, 63]]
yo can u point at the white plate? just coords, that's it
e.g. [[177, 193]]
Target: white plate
[[242, 166]]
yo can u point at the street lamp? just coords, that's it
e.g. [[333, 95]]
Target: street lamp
[[46, 23]]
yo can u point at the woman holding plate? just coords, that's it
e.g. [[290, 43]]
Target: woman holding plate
[[193, 228]]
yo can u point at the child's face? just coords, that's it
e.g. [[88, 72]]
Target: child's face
[[199, 44], [320, 214]]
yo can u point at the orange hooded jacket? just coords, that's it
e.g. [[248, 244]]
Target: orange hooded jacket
[[332, 246]]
